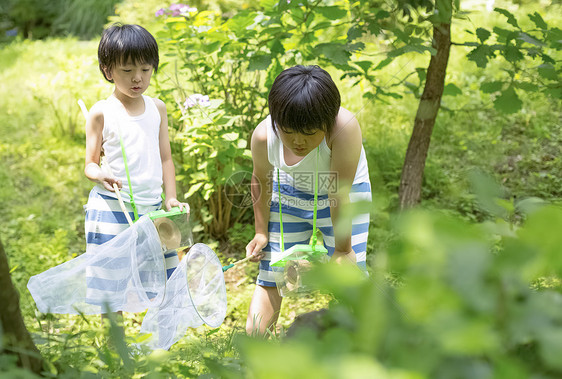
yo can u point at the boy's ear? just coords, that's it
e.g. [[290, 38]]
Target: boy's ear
[[107, 73]]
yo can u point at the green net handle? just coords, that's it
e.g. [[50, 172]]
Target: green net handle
[[133, 205]]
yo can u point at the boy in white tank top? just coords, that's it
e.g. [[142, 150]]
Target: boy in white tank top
[[128, 55], [307, 132]]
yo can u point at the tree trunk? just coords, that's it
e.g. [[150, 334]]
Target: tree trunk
[[414, 163], [16, 337]]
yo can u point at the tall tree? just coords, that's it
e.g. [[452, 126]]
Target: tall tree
[[414, 163], [16, 338], [530, 56]]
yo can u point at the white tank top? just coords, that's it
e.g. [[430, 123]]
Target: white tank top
[[141, 140], [307, 165]]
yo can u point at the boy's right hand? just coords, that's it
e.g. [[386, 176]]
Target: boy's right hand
[[254, 248], [100, 175], [108, 181]]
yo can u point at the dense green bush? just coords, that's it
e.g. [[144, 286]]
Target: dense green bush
[[37, 19], [233, 61], [463, 310]]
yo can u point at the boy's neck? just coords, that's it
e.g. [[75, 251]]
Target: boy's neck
[[133, 105]]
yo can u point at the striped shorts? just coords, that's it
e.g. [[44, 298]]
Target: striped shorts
[[105, 220], [298, 210]]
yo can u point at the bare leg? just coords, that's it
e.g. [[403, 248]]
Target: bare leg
[[264, 310]]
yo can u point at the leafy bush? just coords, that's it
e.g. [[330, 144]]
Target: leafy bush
[[233, 61], [39, 19], [464, 308]]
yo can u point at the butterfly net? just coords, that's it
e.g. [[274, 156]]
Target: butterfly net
[[125, 274], [194, 295], [128, 274]]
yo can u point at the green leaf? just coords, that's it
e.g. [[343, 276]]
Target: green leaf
[[268, 4], [365, 65], [322, 25], [332, 12], [551, 347], [554, 36], [526, 86], [211, 47], [334, 52], [232, 136], [309, 19], [382, 14], [504, 35], [487, 191], [529, 39], [538, 20], [354, 32], [483, 34], [383, 63], [352, 47], [510, 17], [274, 70], [422, 74], [508, 101], [481, 54], [553, 92], [374, 27], [512, 54], [444, 11], [259, 62], [194, 188], [276, 47], [240, 22], [401, 35], [395, 95], [547, 59], [452, 90], [548, 71]]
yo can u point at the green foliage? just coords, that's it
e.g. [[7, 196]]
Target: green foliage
[[39, 19], [236, 59], [43, 188], [84, 18], [523, 50], [464, 308], [232, 61]]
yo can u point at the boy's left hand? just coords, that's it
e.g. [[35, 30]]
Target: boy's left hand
[[173, 202]]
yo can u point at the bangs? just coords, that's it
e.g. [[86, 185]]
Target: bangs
[[138, 52], [304, 100], [300, 116]]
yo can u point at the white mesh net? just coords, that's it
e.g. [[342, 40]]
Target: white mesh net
[[125, 273], [195, 295], [128, 274]]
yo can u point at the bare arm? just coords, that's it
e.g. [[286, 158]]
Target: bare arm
[[346, 150], [168, 168], [94, 136], [261, 191]]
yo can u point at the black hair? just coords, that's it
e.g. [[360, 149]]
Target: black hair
[[119, 43], [304, 99]]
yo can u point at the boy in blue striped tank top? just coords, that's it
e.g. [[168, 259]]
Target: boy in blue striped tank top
[[131, 130], [307, 132]]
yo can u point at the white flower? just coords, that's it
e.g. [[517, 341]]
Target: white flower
[[186, 9], [195, 99]]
